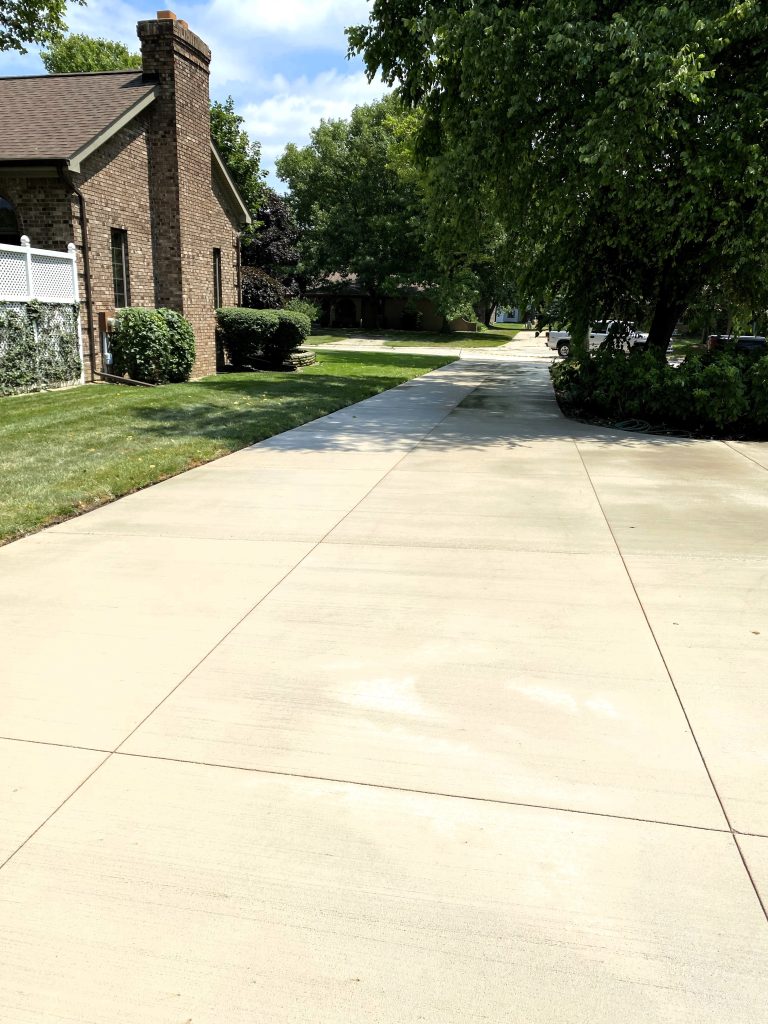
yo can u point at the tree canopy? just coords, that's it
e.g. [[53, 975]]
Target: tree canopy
[[367, 207], [24, 22], [356, 213], [240, 154], [622, 145], [274, 246], [78, 52]]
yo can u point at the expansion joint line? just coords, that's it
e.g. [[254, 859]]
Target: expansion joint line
[[731, 829], [243, 617]]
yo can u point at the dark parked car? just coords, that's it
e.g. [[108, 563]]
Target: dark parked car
[[747, 344]]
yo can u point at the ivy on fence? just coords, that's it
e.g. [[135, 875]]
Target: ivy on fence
[[39, 346]]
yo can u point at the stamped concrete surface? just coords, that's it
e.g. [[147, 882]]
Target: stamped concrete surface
[[441, 708]]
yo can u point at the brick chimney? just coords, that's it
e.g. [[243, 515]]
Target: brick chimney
[[180, 163]]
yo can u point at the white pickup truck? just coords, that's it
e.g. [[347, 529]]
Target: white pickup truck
[[560, 341]]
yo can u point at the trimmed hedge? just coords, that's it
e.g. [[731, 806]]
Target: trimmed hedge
[[720, 393], [152, 345], [253, 337]]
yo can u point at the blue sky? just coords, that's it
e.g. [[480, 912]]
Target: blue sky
[[283, 61]]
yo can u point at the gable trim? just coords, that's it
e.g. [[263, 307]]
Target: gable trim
[[76, 160], [229, 182]]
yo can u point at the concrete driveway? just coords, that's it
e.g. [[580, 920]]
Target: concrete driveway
[[442, 708]]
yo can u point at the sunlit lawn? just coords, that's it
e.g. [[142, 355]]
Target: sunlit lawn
[[497, 335], [62, 452]]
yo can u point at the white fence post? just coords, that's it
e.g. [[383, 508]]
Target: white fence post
[[72, 250], [26, 244]]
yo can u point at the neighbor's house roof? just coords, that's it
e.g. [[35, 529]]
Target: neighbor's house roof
[[348, 285], [64, 118]]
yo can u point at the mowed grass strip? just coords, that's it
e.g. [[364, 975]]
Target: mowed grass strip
[[64, 452], [494, 336]]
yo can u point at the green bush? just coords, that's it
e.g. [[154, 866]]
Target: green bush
[[757, 391], [257, 337], [39, 346], [152, 345], [293, 329], [261, 290], [310, 310], [718, 393]]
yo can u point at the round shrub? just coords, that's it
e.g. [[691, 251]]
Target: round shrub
[[152, 345], [260, 337], [244, 333], [293, 329]]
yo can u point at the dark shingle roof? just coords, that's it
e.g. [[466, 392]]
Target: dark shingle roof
[[55, 117]]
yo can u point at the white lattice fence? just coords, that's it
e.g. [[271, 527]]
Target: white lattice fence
[[27, 273], [39, 299]]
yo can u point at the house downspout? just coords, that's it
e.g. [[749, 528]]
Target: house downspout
[[67, 179], [239, 268]]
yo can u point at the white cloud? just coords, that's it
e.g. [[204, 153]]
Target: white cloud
[[308, 19], [109, 19], [295, 107]]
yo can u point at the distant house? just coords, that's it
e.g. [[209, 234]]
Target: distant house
[[344, 302], [122, 164]]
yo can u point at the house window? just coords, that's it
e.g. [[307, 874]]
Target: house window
[[120, 268], [217, 278], [9, 225]]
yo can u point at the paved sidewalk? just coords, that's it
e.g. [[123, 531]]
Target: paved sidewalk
[[442, 708]]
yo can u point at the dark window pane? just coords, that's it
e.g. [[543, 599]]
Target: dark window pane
[[120, 268], [9, 228], [216, 278]]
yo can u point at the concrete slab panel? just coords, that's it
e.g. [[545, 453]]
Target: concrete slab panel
[[757, 451], [95, 632], [699, 499], [202, 894], [514, 532], [710, 616], [34, 780], [755, 851], [502, 676]]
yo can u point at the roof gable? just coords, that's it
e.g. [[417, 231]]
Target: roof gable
[[67, 117]]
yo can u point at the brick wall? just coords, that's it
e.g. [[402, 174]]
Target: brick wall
[[115, 184], [43, 209], [187, 205]]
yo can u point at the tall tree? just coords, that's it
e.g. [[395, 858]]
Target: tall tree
[[78, 52], [240, 154], [357, 214], [274, 246], [24, 22], [624, 145]]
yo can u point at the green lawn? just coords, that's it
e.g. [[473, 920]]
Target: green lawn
[[497, 335], [682, 347], [62, 452]]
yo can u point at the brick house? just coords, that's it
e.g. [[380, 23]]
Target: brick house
[[122, 164]]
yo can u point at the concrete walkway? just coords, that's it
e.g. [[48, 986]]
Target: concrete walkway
[[442, 708]]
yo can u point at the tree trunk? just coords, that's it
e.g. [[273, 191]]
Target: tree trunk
[[665, 316], [489, 310]]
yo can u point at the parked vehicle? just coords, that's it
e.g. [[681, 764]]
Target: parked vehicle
[[560, 341], [746, 344]]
